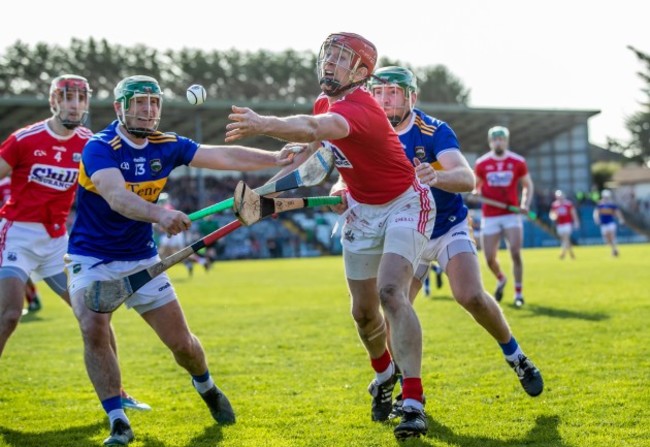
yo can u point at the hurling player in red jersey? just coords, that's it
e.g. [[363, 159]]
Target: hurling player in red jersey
[[389, 214], [499, 174], [43, 161], [564, 214]]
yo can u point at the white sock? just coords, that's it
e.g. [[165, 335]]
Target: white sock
[[514, 357], [386, 374], [202, 387], [117, 414], [413, 403]]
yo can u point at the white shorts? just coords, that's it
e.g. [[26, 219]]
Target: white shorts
[[176, 241], [401, 226], [28, 246], [457, 240], [609, 228], [564, 229], [83, 270], [496, 224]]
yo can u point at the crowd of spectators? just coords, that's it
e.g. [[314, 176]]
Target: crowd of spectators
[[288, 235]]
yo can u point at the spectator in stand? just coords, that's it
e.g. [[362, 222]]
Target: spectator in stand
[[564, 214]]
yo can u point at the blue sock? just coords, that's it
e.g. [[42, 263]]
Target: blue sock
[[510, 347], [202, 377], [112, 403]]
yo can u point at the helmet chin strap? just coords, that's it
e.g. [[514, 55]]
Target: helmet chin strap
[[68, 124], [396, 121], [140, 132], [338, 89]]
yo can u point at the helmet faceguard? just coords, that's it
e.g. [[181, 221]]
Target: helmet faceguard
[[395, 88], [498, 139], [339, 58], [138, 105], [70, 99]]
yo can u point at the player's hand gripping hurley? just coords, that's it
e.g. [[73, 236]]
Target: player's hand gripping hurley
[[314, 171], [106, 296]]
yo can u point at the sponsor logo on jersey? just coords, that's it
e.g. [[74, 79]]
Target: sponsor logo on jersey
[[59, 148], [139, 160], [149, 191], [155, 165], [499, 178], [340, 161], [54, 177]]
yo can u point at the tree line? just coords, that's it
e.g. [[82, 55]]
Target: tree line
[[288, 76]]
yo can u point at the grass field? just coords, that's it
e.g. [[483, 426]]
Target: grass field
[[283, 347]]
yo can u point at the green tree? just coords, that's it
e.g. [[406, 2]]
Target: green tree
[[602, 172], [436, 83], [232, 74], [638, 149]]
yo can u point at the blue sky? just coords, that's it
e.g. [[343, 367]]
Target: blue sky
[[551, 54]]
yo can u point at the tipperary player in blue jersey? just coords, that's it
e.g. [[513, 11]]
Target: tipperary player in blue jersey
[[123, 170], [434, 149], [606, 215]]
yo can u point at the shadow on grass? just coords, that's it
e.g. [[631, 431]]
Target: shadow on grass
[[209, 438], [31, 317], [544, 434], [439, 298], [562, 313], [83, 437], [77, 436]]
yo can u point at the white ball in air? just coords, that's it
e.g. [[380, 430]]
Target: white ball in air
[[196, 94]]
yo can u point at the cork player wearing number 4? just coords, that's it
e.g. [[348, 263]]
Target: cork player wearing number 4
[[434, 149], [43, 161]]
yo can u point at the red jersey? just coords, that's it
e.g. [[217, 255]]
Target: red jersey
[[562, 209], [499, 178], [44, 174], [5, 190], [370, 159]]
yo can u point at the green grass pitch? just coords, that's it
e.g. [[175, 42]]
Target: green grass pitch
[[282, 345]]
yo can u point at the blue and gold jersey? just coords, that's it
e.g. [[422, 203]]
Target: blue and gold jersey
[[426, 138], [99, 231], [606, 212]]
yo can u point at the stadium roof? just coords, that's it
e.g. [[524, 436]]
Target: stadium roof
[[206, 123]]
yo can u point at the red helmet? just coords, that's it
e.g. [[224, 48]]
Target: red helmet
[[70, 99], [365, 50], [361, 52]]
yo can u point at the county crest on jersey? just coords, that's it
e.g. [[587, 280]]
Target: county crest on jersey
[[99, 231]]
